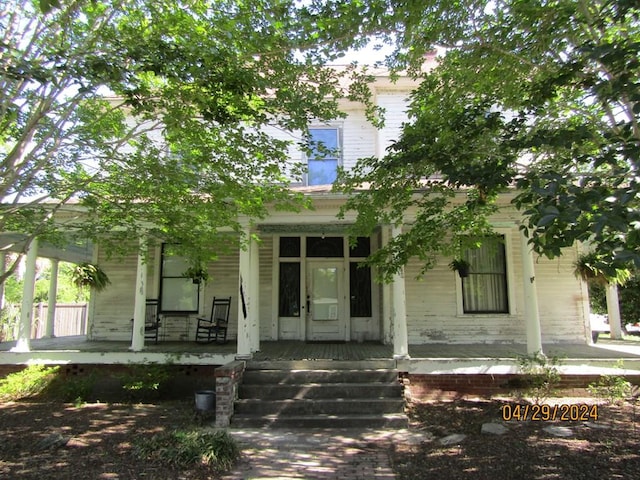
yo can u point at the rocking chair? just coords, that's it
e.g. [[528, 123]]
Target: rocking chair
[[214, 329], [151, 320]]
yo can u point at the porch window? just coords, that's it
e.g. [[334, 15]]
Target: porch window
[[324, 158], [360, 289], [178, 293], [485, 289], [360, 278], [289, 289]]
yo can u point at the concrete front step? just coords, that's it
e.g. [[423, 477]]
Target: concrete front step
[[340, 406], [321, 390], [394, 420], [320, 394], [298, 377]]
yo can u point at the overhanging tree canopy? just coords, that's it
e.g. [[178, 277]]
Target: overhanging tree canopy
[[149, 116], [543, 96]]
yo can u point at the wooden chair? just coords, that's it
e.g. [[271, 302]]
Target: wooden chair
[[214, 329], [151, 320]]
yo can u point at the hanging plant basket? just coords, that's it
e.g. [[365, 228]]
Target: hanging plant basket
[[197, 274], [461, 266], [89, 275], [591, 268]]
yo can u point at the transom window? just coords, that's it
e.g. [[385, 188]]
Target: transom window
[[324, 158], [484, 290]]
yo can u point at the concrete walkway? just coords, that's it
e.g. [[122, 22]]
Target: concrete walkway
[[317, 454]]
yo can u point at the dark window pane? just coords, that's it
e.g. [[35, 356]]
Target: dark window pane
[[289, 290], [325, 247], [360, 290], [362, 248], [289, 246]]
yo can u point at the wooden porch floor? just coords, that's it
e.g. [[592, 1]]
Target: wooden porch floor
[[297, 350]]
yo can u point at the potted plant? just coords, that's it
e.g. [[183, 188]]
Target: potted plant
[[592, 268], [197, 274], [461, 266], [89, 275]]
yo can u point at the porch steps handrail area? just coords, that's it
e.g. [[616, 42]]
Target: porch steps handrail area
[[320, 394]]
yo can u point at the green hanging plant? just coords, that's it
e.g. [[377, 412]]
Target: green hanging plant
[[197, 273], [461, 266], [592, 268], [89, 275]]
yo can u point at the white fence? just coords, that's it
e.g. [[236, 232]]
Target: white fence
[[71, 319]]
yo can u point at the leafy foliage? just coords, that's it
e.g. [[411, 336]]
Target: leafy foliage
[[536, 95], [153, 119], [144, 382], [629, 296], [613, 388], [540, 377], [28, 382], [89, 275], [185, 448], [593, 268]]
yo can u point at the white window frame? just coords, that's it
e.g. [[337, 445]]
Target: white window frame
[[511, 298]]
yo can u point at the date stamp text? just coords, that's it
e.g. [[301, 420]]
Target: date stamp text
[[579, 412]]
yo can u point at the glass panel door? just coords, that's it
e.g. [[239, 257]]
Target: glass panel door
[[326, 319]]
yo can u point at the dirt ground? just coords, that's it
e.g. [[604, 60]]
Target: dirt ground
[[95, 441], [606, 447]]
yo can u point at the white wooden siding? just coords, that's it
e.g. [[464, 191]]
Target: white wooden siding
[[113, 307], [432, 315]]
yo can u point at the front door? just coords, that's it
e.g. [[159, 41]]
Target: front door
[[326, 316]]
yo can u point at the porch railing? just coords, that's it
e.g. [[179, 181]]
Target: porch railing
[[70, 319]]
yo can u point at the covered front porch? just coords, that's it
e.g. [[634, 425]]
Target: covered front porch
[[423, 359]]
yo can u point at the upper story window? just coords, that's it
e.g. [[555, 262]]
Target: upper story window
[[485, 289], [324, 158]]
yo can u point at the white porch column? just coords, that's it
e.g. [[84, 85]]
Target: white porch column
[[254, 296], [23, 343], [245, 330], [531, 312], [613, 311], [53, 293], [139, 308], [399, 311]]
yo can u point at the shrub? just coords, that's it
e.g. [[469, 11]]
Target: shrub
[[185, 448], [540, 377], [144, 381], [28, 382], [76, 389], [612, 388]]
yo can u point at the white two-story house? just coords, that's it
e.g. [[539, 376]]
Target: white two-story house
[[301, 280]]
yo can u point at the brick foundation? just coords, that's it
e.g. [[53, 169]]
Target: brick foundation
[[451, 386]]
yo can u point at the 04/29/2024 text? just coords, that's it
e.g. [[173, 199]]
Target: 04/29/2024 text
[[578, 412]]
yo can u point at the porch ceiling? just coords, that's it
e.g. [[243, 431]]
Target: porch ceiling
[[74, 253]]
